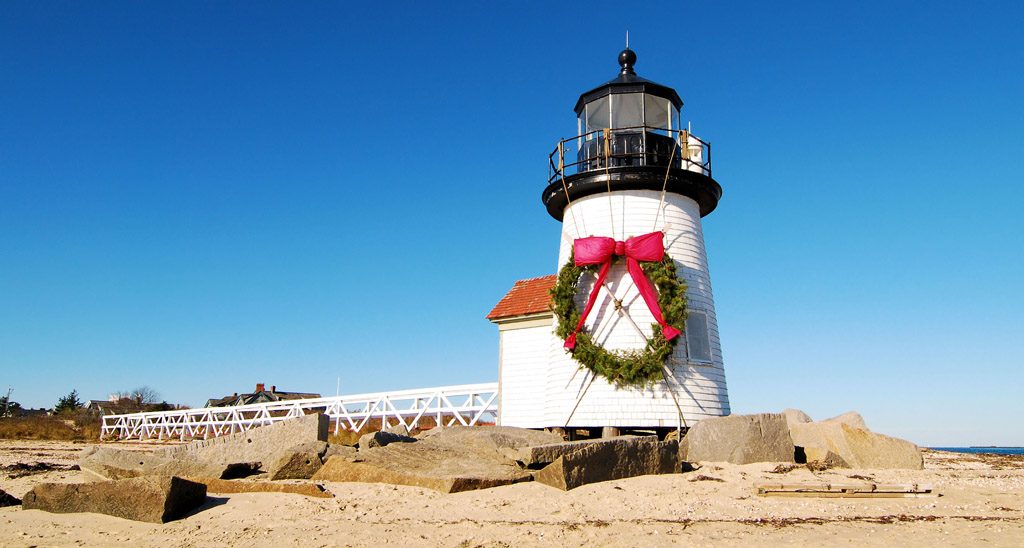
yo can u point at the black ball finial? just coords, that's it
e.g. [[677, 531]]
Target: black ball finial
[[627, 58]]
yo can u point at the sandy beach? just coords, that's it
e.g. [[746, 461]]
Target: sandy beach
[[981, 502]]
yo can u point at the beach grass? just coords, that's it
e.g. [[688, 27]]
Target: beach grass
[[77, 427]]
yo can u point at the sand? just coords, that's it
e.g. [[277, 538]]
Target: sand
[[981, 502]]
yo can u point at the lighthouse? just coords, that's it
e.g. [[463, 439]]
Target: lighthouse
[[630, 190]]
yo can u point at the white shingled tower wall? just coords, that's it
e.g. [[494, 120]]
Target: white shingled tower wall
[[698, 384]]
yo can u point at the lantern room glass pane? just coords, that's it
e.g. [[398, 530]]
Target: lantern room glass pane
[[656, 111], [627, 110], [597, 114]]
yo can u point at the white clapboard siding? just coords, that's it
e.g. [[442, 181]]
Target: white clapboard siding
[[699, 389], [523, 356]]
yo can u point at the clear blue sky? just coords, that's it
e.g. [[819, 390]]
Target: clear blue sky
[[201, 196]]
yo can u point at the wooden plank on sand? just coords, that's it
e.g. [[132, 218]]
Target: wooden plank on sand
[[844, 490]]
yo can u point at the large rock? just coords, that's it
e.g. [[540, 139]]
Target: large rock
[[299, 462], [399, 429], [851, 418], [152, 499], [229, 487], [344, 451], [606, 459], [257, 445], [450, 460], [546, 454], [490, 439], [423, 468], [834, 439], [796, 416], [818, 459], [382, 438], [739, 439], [216, 457], [8, 500], [115, 464]]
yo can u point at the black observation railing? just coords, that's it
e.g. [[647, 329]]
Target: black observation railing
[[626, 147]]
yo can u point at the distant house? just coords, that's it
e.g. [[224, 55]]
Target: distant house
[[101, 406], [261, 395], [114, 405], [118, 405]]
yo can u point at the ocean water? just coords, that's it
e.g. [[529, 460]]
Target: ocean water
[[991, 450]]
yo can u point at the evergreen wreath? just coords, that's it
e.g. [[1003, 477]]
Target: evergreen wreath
[[622, 367]]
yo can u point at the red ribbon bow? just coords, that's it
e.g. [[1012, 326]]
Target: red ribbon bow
[[600, 250]]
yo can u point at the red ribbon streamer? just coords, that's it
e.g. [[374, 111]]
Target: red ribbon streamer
[[600, 250]]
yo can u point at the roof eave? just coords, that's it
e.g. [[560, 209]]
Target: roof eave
[[638, 85], [522, 317]]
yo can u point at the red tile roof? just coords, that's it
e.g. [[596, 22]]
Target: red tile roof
[[528, 296]]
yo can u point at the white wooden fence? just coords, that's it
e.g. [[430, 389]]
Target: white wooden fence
[[465, 405]]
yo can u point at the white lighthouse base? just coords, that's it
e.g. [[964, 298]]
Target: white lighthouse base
[[542, 386]]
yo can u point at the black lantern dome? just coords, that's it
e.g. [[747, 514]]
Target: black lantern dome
[[628, 82], [630, 138]]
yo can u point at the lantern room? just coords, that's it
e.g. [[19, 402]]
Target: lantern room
[[629, 132], [628, 101]]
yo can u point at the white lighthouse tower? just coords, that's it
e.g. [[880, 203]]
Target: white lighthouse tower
[[632, 169]]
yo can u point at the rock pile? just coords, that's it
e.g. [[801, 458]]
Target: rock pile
[[153, 499], [466, 458], [453, 460], [792, 436], [846, 442], [154, 486], [289, 449], [158, 486]]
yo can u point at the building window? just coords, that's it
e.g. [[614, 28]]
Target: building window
[[698, 341]]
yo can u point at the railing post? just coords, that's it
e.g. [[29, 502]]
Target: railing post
[[643, 145], [709, 158], [561, 157]]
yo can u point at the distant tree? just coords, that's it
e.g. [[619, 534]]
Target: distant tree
[[9, 408], [138, 399], [68, 404], [145, 395], [140, 396]]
